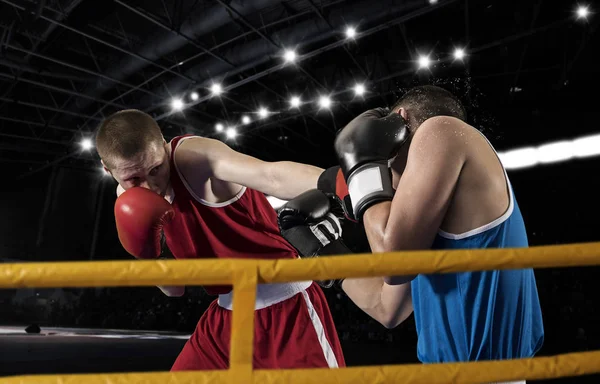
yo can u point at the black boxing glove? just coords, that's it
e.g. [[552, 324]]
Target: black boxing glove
[[333, 184], [308, 225], [364, 147]]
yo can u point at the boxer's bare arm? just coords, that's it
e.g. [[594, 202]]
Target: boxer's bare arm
[[411, 220], [208, 158], [388, 304]]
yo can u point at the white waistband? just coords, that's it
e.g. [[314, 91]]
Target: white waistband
[[268, 294]]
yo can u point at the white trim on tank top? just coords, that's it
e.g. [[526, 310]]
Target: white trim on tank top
[[191, 191], [493, 223]]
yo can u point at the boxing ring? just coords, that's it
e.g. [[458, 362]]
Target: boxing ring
[[244, 275]]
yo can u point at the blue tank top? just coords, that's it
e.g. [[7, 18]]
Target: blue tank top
[[487, 315]]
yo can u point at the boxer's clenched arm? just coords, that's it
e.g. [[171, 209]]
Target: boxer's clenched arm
[[390, 305], [411, 220], [283, 179]]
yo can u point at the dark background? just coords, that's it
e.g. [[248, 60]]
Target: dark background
[[528, 79]]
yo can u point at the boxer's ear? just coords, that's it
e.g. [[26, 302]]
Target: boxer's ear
[[105, 168], [402, 112]]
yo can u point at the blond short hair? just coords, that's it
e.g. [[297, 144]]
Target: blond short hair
[[126, 134]]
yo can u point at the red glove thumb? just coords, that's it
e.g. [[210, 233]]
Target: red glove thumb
[[332, 182], [140, 215]]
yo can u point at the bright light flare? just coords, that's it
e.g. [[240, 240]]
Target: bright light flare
[[556, 152], [350, 32], [289, 56], [583, 12], [177, 104], [295, 101], [459, 53], [424, 62], [359, 89], [325, 102], [231, 133], [216, 89], [86, 144], [263, 112]]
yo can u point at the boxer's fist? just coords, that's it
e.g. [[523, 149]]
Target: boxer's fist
[[308, 225], [140, 215], [363, 148], [307, 208], [332, 183]]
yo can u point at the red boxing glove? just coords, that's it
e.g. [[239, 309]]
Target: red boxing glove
[[332, 182], [140, 215]]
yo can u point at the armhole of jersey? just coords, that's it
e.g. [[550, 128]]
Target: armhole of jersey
[[191, 191], [495, 222]]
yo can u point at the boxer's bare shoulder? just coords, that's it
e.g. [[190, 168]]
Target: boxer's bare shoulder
[[213, 167], [196, 161], [481, 179]]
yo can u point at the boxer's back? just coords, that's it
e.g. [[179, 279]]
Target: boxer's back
[[479, 315], [481, 192], [245, 226]]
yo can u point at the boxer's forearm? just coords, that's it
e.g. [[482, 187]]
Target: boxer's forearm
[[364, 292], [375, 221], [389, 305], [289, 179]]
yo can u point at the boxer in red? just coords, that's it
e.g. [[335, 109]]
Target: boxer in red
[[208, 200]]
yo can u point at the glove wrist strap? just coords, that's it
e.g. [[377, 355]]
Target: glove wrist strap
[[334, 248], [369, 184]]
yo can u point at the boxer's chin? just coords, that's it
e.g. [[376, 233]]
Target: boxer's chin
[[158, 191], [163, 193]]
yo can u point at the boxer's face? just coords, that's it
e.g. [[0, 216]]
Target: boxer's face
[[149, 170]]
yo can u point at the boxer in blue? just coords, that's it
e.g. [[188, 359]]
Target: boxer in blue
[[419, 177]]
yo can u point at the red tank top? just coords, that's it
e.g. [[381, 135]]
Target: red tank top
[[243, 227]]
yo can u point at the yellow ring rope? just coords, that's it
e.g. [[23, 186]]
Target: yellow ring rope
[[220, 271], [570, 364], [245, 274]]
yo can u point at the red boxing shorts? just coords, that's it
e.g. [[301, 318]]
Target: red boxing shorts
[[293, 329]]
